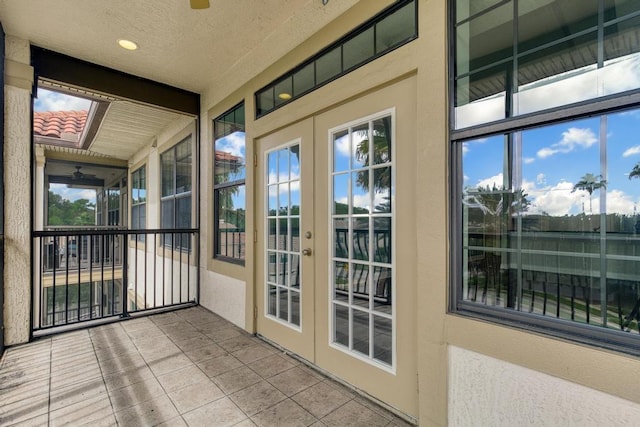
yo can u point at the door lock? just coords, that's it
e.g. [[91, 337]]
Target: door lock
[[306, 252]]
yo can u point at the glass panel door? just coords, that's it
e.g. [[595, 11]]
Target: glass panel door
[[282, 257]]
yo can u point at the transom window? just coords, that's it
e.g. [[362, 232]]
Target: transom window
[[175, 199], [362, 263], [546, 205], [390, 29]]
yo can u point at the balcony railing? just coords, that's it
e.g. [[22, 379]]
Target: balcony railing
[[86, 275]]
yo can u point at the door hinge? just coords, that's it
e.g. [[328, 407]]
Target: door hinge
[[255, 160], [255, 236], [255, 311]]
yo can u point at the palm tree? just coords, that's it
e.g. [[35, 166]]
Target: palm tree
[[590, 183], [635, 172]]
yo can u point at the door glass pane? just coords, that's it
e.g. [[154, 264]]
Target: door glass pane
[[283, 239], [295, 308], [361, 332], [341, 324], [361, 233], [341, 281], [382, 339]]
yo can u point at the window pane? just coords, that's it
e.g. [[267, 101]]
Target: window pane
[[167, 160], [621, 70], [361, 332], [231, 222], [360, 238], [358, 49], [341, 325], [265, 101], [382, 140], [328, 65], [341, 151], [382, 339], [183, 167], [304, 79], [341, 282], [467, 8], [283, 91], [396, 28]]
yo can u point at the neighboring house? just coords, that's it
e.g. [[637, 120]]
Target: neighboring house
[[431, 200]]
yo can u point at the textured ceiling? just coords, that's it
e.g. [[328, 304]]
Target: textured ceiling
[[190, 49]]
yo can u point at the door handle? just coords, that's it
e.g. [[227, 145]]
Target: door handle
[[306, 252]]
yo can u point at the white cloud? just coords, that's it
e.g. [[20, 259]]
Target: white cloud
[[73, 194], [541, 179], [572, 139], [494, 181], [528, 160], [465, 149], [632, 151], [556, 200], [233, 144], [55, 101]]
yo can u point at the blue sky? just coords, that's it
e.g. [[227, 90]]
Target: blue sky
[[555, 157], [53, 101]]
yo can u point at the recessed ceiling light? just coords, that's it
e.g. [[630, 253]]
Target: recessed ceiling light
[[127, 44], [284, 96]]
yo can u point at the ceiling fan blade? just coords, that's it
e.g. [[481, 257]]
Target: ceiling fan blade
[[199, 4]]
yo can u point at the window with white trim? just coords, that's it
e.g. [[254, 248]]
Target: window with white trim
[[139, 200], [175, 202], [361, 245]]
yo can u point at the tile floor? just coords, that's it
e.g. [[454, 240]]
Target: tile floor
[[183, 368]]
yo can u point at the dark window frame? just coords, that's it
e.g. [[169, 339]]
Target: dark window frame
[[175, 197], [136, 205], [218, 187], [595, 336]]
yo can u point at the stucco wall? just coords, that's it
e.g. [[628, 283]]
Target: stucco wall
[[17, 166], [484, 391]]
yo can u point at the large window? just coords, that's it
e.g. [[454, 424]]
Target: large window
[[229, 185], [176, 192], [139, 200], [547, 230]]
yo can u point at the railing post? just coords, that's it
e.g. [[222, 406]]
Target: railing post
[[125, 275]]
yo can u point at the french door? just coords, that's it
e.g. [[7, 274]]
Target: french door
[[335, 196]]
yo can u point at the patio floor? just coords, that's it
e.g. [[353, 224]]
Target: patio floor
[[187, 367]]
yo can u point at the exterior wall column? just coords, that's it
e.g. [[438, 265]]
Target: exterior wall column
[[17, 166]]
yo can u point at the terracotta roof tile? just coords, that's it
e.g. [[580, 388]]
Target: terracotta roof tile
[[54, 123]]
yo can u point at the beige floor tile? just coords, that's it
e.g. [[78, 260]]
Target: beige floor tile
[[137, 393], [73, 375], [238, 343], [127, 378], [95, 411], [223, 334], [194, 343], [254, 352], [321, 399], [222, 412], [152, 412], [61, 397], [195, 395], [125, 362], [293, 381], [272, 365], [24, 409], [11, 393], [170, 364], [245, 423], [174, 422], [257, 398], [285, 414], [219, 365], [237, 379], [181, 378], [205, 352], [354, 414]]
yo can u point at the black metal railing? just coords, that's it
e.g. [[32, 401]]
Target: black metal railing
[[90, 274]]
